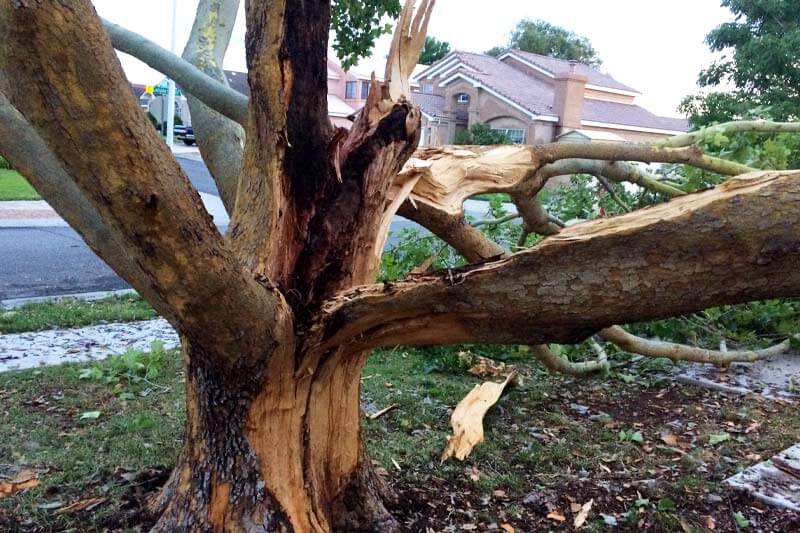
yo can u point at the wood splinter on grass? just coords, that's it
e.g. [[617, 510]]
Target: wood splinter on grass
[[467, 418], [375, 416]]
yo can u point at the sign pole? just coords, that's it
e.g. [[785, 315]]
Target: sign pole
[[171, 91]]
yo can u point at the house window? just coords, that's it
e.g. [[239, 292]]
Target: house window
[[350, 90], [364, 90], [516, 136], [427, 88], [463, 98]]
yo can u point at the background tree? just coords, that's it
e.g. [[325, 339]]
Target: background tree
[[357, 23], [541, 37], [273, 367], [761, 55], [433, 51]]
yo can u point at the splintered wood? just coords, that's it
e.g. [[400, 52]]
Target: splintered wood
[[467, 419]]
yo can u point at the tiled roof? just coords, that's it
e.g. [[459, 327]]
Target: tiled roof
[[630, 115], [238, 81], [537, 95], [533, 94], [561, 66], [431, 104]]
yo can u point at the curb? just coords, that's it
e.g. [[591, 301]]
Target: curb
[[87, 296]]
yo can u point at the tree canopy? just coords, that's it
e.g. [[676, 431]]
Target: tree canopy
[[357, 23], [542, 37], [761, 61], [433, 51]]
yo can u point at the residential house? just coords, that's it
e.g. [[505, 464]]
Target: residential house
[[533, 99]]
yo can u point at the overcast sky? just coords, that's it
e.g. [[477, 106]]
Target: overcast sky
[[655, 46]]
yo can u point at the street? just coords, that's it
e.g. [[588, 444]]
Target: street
[[50, 261]]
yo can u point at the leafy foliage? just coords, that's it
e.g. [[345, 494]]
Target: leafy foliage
[[541, 37], [433, 51], [357, 24], [761, 54], [482, 134], [132, 366]]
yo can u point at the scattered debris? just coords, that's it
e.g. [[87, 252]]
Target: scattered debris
[[583, 514], [489, 368], [775, 482], [23, 479], [467, 418], [378, 414], [82, 505]]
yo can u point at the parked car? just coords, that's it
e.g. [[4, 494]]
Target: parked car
[[185, 134]]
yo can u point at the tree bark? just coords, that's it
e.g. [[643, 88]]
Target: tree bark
[[736, 243]]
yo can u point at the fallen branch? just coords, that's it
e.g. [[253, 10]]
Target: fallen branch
[[682, 352], [377, 415], [556, 363]]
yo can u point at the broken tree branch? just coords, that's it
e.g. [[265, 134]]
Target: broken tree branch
[[546, 294], [681, 352]]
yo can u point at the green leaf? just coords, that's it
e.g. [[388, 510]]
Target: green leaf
[[637, 437], [665, 504], [718, 438], [794, 342], [90, 415], [741, 520], [641, 502]]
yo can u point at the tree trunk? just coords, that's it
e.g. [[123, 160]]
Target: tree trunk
[[281, 451]]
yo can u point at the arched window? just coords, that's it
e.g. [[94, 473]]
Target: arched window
[[462, 98]]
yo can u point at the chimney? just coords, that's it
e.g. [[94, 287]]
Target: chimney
[[569, 91]]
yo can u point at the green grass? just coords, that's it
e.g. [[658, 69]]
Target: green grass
[[14, 187], [70, 312], [533, 437]]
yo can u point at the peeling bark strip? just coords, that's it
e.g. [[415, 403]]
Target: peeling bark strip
[[732, 244]]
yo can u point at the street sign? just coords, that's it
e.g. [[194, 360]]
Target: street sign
[[162, 89]]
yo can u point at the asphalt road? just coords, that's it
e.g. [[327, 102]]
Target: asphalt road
[[37, 262]]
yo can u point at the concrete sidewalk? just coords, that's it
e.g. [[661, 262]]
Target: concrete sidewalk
[[39, 214]]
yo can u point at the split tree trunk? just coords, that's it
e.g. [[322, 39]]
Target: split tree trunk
[[280, 451]]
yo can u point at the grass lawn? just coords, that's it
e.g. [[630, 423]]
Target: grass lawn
[[69, 312], [111, 430], [15, 187]]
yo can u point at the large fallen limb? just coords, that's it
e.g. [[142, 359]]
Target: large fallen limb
[[681, 352], [215, 94], [736, 243], [220, 139], [63, 76]]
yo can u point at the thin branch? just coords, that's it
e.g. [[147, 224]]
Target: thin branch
[[214, 94], [681, 352], [496, 221], [557, 364], [618, 171], [612, 193], [727, 128], [645, 153]]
